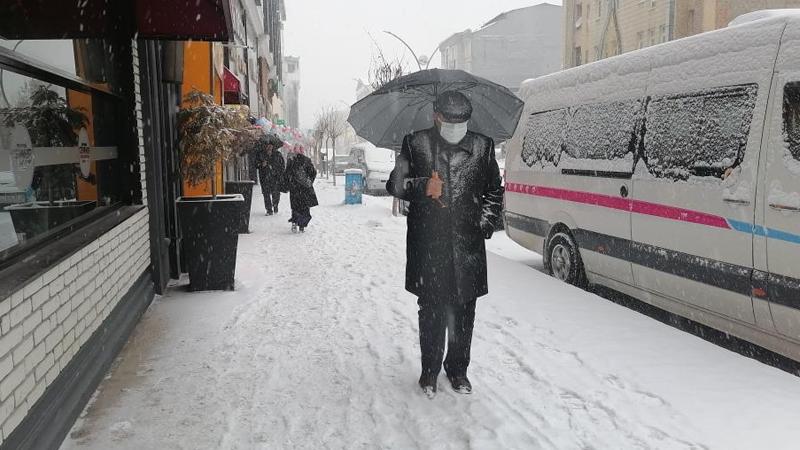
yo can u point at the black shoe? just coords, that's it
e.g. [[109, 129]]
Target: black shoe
[[294, 228], [269, 213], [291, 220], [276, 210], [302, 229], [428, 385], [460, 384]]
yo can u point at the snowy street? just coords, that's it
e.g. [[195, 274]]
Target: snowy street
[[318, 348]]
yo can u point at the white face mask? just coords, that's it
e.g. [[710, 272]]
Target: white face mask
[[453, 132]]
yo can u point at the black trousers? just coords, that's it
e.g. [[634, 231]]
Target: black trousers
[[301, 217], [272, 196], [437, 319]]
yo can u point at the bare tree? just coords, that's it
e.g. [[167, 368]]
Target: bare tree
[[382, 69], [321, 126], [336, 127], [319, 133]]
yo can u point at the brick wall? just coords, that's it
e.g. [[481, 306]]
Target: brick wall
[[45, 323]]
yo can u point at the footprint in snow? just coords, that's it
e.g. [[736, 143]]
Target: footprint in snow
[[121, 430]]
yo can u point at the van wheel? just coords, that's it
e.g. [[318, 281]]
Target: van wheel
[[564, 260]]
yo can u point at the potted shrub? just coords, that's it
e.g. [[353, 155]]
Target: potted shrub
[[209, 133], [51, 123], [243, 143]]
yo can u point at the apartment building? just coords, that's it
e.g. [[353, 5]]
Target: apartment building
[[597, 29]]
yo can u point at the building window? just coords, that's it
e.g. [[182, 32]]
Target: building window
[[577, 56], [640, 39], [662, 33], [599, 8], [690, 22], [651, 34], [578, 11]]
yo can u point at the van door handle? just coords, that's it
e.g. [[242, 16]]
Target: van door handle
[[784, 207], [736, 201], [623, 191]]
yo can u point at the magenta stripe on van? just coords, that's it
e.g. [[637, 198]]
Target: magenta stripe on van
[[623, 204]]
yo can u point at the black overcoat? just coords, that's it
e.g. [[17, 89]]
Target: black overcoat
[[299, 182], [445, 250], [270, 168]]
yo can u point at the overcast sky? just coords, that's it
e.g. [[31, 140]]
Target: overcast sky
[[331, 38]]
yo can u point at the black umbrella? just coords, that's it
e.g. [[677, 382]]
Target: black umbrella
[[405, 105]]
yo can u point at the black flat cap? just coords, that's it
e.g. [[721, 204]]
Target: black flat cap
[[453, 106]]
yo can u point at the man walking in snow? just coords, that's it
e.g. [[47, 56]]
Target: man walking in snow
[[270, 165], [452, 181]]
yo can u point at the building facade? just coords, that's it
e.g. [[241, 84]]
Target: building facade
[[272, 60], [510, 48], [88, 227], [291, 90], [597, 29]]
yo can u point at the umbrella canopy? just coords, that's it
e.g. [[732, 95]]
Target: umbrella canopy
[[405, 105]]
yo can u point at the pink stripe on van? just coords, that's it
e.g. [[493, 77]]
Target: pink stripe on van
[[619, 203]]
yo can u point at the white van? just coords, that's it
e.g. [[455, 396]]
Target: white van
[[672, 174], [376, 163]]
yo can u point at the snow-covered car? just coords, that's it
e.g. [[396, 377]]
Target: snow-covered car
[[376, 163], [684, 194]]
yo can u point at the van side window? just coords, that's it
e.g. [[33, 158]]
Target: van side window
[[791, 118], [701, 133], [544, 138], [604, 131]]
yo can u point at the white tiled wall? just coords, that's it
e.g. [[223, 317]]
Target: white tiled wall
[[47, 321]]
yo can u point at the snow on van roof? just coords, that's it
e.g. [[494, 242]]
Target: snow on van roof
[[764, 14], [729, 49]]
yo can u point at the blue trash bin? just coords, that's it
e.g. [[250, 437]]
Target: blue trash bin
[[353, 186]]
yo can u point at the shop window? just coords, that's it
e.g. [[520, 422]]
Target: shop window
[[58, 152], [90, 59], [700, 133]]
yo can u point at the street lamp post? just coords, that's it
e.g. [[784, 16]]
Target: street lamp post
[[413, 53]]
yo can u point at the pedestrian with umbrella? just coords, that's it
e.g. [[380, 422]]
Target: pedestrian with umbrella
[[298, 181], [447, 121], [270, 164]]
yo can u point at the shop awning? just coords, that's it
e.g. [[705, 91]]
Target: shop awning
[[153, 19], [232, 89]]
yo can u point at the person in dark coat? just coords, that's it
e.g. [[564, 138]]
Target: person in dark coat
[[452, 181], [299, 183], [270, 164]]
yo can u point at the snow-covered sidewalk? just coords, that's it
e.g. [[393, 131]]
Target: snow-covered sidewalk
[[317, 348]]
